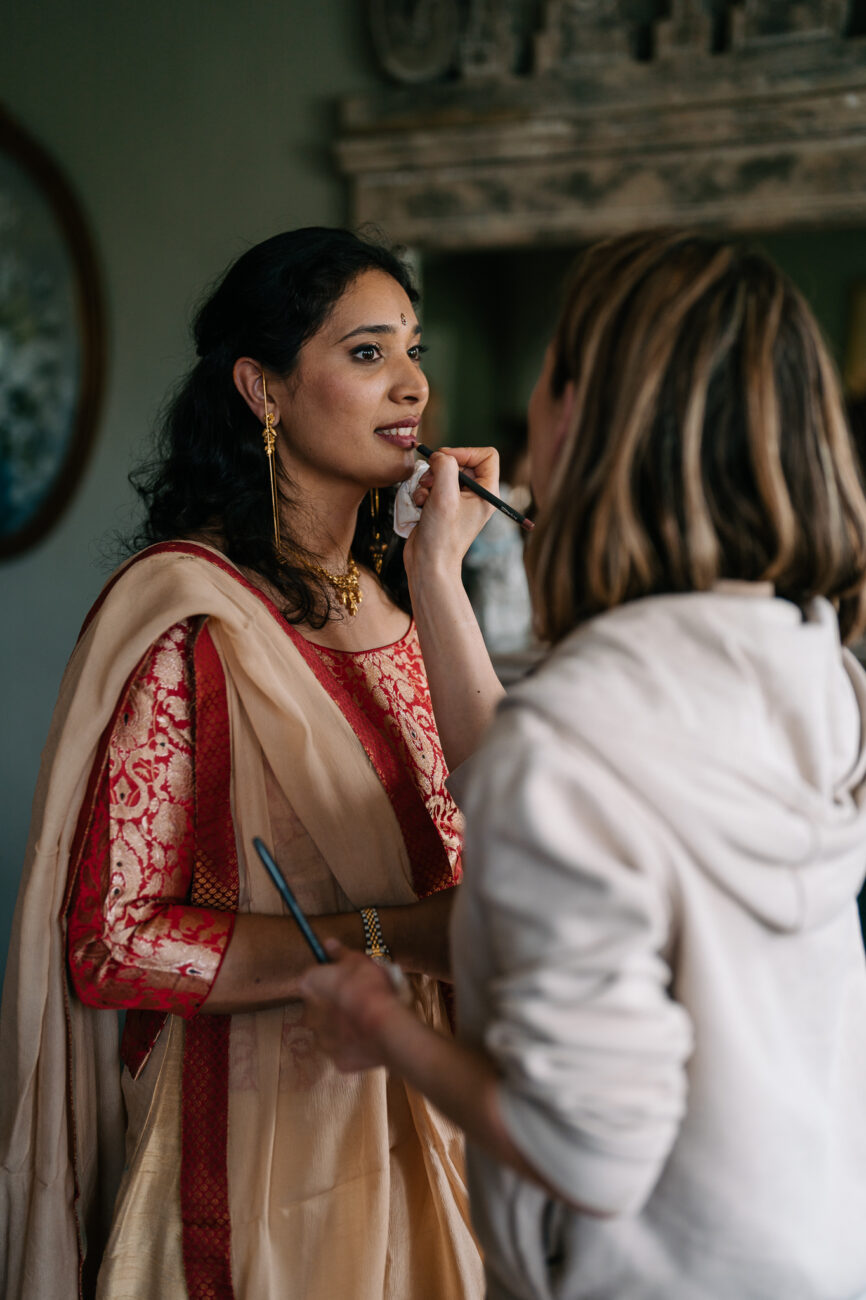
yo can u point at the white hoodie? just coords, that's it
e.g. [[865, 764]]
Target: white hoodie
[[657, 939]]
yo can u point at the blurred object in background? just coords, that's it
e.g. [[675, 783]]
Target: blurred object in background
[[494, 572], [434, 427], [52, 344]]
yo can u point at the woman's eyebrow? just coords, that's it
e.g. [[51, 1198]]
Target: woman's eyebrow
[[375, 329]]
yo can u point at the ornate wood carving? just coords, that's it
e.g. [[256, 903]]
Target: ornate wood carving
[[578, 31], [488, 45], [574, 118], [779, 19], [417, 41]]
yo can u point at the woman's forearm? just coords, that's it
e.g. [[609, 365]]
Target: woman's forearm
[[463, 1083], [261, 961], [266, 954], [352, 1008], [417, 934], [460, 1081], [464, 687], [361, 1023]]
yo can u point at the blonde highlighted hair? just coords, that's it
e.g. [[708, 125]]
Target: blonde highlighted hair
[[708, 438]]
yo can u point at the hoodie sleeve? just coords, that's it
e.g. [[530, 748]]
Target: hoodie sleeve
[[567, 879]]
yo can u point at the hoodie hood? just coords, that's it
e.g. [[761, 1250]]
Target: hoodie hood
[[739, 720]]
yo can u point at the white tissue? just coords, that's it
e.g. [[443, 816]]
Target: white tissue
[[406, 513]]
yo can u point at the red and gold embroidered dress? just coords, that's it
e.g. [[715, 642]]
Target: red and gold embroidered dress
[[253, 1167]]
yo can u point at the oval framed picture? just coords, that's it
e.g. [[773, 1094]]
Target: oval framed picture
[[52, 341]]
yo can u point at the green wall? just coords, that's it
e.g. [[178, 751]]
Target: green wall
[[189, 130]]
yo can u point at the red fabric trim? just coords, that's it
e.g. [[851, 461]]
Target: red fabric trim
[[204, 1172], [85, 832], [430, 864], [420, 833], [160, 548], [204, 1186]]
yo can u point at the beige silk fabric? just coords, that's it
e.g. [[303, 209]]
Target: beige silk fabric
[[288, 738]]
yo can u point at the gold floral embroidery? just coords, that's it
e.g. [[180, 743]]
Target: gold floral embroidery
[[134, 939], [394, 680]]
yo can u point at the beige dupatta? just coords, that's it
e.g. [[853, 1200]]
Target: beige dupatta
[[59, 1081]]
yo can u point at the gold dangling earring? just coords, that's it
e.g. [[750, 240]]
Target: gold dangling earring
[[269, 436], [378, 547]]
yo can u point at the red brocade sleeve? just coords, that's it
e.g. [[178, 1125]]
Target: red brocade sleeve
[[133, 939]]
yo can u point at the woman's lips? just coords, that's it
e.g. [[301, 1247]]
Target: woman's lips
[[404, 436]]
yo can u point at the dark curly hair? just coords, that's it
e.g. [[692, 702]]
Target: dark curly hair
[[208, 473]]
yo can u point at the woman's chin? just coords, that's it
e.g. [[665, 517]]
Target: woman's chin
[[400, 473], [408, 469]]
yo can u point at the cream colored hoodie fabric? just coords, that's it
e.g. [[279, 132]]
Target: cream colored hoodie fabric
[[657, 938]]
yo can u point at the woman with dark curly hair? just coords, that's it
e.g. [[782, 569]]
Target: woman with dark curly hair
[[254, 670]]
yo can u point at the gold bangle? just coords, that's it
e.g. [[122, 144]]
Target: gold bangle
[[374, 940]]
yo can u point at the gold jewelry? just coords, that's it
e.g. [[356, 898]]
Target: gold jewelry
[[269, 436], [378, 547], [403, 320], [374, 940], [347, 585]]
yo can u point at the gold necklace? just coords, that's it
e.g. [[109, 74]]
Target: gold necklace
[[347, 585]]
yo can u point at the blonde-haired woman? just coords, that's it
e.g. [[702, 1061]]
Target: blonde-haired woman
[[660, 974]]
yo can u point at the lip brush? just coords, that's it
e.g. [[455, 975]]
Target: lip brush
[[467, 482]]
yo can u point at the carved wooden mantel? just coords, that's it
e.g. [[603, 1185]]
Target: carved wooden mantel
[[602, 115]]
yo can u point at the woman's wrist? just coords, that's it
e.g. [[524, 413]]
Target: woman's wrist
[[374, 938], [416, 934], [431, 569]]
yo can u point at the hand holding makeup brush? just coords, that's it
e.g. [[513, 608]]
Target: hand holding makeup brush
[[452, 516]]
